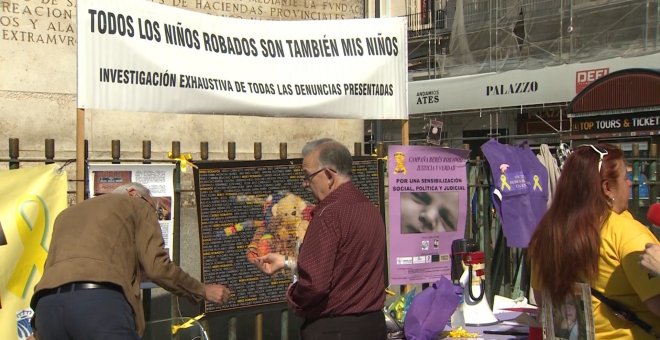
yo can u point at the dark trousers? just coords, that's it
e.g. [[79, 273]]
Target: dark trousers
[[367, 326], [93, 314]]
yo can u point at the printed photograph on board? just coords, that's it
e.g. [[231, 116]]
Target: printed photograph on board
[[573, 318], [106, 181], [425, 212]]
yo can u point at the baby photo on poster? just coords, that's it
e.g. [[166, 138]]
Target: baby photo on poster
[[427, 212]]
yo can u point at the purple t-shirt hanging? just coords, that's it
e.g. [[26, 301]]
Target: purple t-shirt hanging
[[510, 193]]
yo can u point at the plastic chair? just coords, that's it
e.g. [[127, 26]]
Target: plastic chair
[[176, 328]]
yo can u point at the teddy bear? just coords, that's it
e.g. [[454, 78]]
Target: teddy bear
[[285, 222]]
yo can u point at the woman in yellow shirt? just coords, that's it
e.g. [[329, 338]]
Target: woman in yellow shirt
[[587, 235]]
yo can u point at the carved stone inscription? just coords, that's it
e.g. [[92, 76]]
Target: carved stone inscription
[[234, 203], [48, 22], [51, 22], [275, 9]]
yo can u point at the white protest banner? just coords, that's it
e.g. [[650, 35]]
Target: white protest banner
[[142, 56]]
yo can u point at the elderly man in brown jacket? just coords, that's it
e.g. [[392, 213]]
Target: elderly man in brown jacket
[[99, 249]]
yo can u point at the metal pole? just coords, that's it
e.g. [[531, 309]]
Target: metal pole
[[257, 151], [146, 151], [231, 150], [13, 154], [204, 151], [80, 155], [49, 153], [283, 151]]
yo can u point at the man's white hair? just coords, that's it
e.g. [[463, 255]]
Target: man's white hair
[[141, 189]]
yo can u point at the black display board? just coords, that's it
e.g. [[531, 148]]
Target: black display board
[[233, 203]]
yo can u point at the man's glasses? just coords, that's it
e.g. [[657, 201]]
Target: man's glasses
[[600, 153], [308, 177]]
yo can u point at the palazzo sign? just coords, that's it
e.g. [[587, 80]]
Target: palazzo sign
[[552, 84]]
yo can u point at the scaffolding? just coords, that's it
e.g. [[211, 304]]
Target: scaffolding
[[462, 37]]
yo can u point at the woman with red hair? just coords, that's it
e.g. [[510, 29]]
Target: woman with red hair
[[587, 235]]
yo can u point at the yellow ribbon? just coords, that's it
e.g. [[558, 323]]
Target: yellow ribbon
[[537, 184], [33, 231], [504, 182], [187, 324], [184, 160], [460, 332]]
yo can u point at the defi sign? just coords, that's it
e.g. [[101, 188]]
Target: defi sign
[[586, 77]]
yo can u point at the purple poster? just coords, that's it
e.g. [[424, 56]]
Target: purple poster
[[428, 205]]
